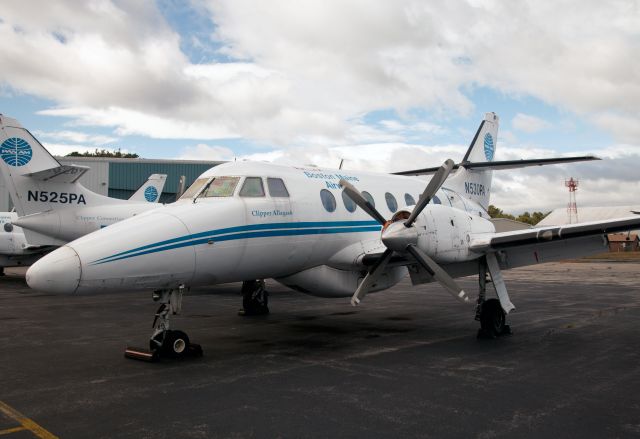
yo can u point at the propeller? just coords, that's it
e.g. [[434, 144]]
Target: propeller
[[402, 237]]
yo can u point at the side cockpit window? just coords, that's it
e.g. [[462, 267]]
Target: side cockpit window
[[194, 188], [221, 187], [277, 187], [252, 187]]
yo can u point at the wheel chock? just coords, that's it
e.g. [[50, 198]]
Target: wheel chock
[[193, 350], [142, 354]]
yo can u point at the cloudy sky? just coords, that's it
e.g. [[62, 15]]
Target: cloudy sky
[[386, 85]]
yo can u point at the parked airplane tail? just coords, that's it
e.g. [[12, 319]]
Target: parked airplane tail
[[474, 173], [476, 183], [36, 181], [151, 190]]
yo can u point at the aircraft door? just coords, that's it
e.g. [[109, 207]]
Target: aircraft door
[[266, 203]]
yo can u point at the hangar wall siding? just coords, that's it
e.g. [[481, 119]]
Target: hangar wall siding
[[126, 176], [120, 178]]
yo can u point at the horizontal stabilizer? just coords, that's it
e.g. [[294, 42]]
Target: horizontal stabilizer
[[60, 174], [503, 164]]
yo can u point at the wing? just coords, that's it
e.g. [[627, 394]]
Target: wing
[[547, 244], [525, 247]]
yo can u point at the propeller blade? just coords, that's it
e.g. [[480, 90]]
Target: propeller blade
[[371, 277], [438, 273], [434, 184], [361, 201]]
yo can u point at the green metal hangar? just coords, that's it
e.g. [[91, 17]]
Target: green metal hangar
[[120, 178]]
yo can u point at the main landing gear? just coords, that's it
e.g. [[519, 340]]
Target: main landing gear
[[166, 342], [255, 298], [492, 313]]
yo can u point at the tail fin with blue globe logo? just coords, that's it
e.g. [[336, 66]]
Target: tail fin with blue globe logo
[[475, 183], [151, 190], [37, 182], [473, 175]]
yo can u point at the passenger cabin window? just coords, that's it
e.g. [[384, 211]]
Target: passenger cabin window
[[408, 199], [277, 187], [194, 188], [392, 204], [252, 187], [349, 204], [328, 200], [221, 187], [367, 196]]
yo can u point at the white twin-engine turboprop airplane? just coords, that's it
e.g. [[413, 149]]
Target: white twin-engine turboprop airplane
[[324, 232], [16, 251], [52, 207]]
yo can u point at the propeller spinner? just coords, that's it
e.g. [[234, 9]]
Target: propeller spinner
[[400, 235]]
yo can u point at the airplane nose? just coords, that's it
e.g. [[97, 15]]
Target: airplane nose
[[58, 272]]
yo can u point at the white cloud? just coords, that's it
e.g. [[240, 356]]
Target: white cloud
[[306, 71], [202, 151], [529, 124], [76, 137], [625, 127]]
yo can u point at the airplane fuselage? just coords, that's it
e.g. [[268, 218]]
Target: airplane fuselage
[[308, 236]]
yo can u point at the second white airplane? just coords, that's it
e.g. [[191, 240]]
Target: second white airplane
[[52, 207]]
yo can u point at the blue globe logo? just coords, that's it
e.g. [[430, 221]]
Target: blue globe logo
[[489, 147], [15, 152], [150, 194]]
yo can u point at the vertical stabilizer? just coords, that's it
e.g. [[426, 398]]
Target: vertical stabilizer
[[36, 181], [476, 184], [151, 190]]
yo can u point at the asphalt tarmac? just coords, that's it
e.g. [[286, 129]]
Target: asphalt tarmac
[[405, 363]]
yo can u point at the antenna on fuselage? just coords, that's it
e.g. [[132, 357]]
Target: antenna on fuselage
[[341, 163]]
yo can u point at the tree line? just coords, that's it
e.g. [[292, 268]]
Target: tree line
[[529, 218], [105, 153]]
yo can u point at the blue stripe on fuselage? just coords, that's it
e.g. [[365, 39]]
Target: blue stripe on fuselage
[[250, 231]]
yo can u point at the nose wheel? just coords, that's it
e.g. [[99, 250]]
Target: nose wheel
[[174, 344], [166, 342]]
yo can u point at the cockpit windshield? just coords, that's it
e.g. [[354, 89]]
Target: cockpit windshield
[[194, 188], [220, 187]]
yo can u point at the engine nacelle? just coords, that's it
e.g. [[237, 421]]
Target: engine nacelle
[[444, 233], [325, 281]]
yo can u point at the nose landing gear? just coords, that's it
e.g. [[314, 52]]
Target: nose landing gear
[[165, 342]]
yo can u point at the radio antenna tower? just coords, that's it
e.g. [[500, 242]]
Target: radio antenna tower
[[572, 207]]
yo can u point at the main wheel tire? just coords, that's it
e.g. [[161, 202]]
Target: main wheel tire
[[176, 344], [255, 299], [492, 317]]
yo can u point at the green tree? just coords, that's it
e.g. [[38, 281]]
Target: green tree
[[526, 217], [494, 212], [118, 154]]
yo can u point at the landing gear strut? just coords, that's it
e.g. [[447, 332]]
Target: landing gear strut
[[255, 298], [490, 312], [164, 341]]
